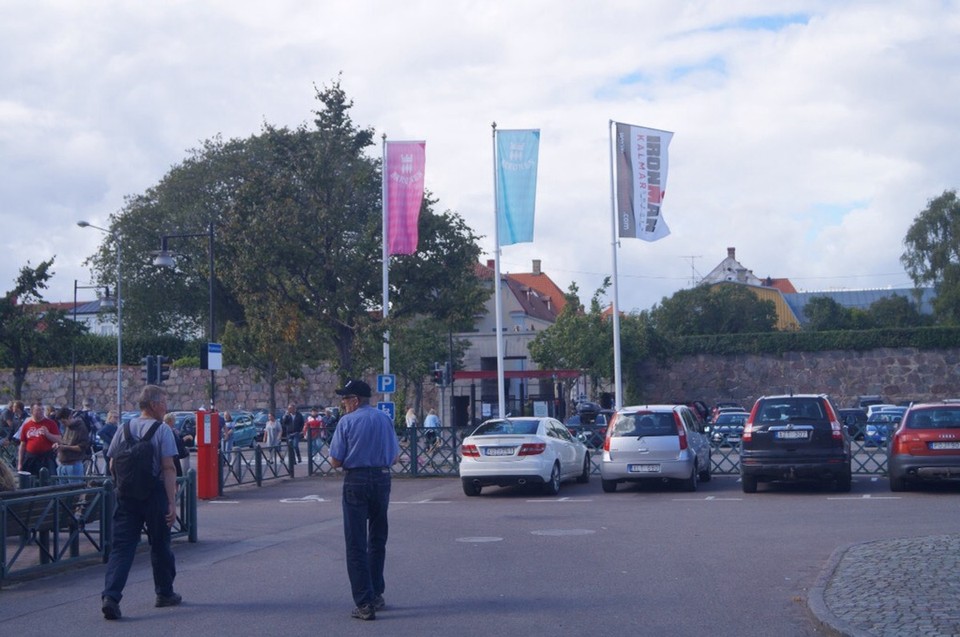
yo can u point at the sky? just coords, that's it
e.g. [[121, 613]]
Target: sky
[[808, 134]]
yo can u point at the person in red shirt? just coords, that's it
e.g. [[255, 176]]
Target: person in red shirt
[[36, 442]]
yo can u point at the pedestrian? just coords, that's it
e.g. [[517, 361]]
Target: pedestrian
[[158, 511], [271, 436], [74, 445], [37, 436], [182, 452], [292, 428], [365, 446], [432, 425], [226, 432], [8, 481], [411, 420], [311, 431]]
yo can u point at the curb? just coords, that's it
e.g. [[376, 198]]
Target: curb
[[818, 605]]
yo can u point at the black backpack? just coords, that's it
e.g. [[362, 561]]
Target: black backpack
[[132, 464]]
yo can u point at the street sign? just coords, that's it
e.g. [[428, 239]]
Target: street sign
[[211, 356], [388, 408], [386, 383]]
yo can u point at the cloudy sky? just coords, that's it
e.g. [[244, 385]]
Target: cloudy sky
[[807, 133]]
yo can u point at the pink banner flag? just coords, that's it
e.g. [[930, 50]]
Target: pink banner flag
[[404, 164]]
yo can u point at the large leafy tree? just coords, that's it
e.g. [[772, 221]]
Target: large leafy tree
[[715, 309], [298, 230], [27, 327], [932, 253]]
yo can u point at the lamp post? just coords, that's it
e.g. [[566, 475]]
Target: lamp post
[[105, 303], [164, 258], [116, 239]]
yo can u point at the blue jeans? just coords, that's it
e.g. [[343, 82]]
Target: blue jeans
[[128, 519], [71, 470], [295, 441], [366, 497]]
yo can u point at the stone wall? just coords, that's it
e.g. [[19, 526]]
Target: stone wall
[[895, 374]]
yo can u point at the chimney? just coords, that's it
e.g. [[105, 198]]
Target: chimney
[[731, 253], [490, 263], [536, 266]]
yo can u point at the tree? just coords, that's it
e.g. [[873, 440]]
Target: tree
[[895, 311], [297, 220], [824, 314], [932, 253], [715, 309], [27, 328]]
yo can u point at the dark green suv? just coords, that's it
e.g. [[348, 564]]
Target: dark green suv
[[794, 437]]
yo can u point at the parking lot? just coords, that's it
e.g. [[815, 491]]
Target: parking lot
[[651, 559]]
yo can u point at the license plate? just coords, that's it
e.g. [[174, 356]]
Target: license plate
[[792, 435], [498, 451], [945, 445], [643, 468]]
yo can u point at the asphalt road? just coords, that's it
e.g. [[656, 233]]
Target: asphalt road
[[651, 560]]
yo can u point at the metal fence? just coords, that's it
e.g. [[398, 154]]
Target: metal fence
[[48, 522]]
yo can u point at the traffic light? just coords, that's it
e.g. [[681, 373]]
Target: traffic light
[[447, 374], [149, 369], [163, 369], [437, 374]]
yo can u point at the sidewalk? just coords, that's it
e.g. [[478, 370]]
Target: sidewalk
[[900, 587]]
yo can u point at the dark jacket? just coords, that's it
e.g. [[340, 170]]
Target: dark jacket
[[292, 424]]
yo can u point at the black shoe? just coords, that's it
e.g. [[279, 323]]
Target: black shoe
[[110, 608], [168, 600], [364, 612], [378, 603]]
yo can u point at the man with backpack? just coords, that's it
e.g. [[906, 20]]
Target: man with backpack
[[141, 462]]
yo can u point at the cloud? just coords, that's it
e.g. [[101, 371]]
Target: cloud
[[808, 138]]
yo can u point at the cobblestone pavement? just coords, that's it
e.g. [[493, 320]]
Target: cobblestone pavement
[[909, 586]]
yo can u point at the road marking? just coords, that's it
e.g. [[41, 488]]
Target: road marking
[[562, 500], [709, 498], [866, 496], [306, 498], [563, 532], [223, 501], [479, 540], [427, 501]]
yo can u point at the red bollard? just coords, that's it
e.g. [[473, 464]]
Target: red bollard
[[208, 454]]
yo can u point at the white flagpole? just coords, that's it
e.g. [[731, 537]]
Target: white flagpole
[[617, 379], [501, 393], [386, 257]]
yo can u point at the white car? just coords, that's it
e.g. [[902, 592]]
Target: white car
[[521, 451]]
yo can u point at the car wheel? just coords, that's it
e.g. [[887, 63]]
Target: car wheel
[[898, 483], [844, 483], [469, 488], [609, 486], [584, 477], [690, 484], [552, 487], [749, 484]]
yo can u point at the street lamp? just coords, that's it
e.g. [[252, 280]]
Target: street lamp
[[116, 239], [164, 258], [106, 303]]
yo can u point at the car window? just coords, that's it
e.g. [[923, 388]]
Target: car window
[[507, 427], [689, 420], [947, 418], [792, 409], [645, 423]]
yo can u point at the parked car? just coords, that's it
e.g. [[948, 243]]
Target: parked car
[[522, 451], [244, 429], [725, 405], [879, 426], [728, 428], [794, 437], [655, 442], [855, 420], [925, 446]]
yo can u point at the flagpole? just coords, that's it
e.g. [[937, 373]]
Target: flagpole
[[617, 379], [501, 393], [386, 256]]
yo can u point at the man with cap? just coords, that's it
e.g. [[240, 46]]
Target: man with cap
[[365, 445]]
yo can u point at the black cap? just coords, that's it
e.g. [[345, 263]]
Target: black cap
[[355, 388]]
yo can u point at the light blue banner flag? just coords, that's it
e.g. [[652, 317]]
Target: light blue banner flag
[[517, 154]]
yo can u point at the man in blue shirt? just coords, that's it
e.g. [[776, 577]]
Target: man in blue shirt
[[365, 445]]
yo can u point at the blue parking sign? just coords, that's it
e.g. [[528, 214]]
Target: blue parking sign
[[388, 408], [386, 383]]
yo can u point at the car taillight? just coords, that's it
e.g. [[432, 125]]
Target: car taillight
[[901, 442], [747, 434], [609, 431], [681, 432], [532, 448], [836, 429], [470, 451]]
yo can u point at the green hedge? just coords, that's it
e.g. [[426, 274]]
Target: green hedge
[[94, 349], [924, 338]]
